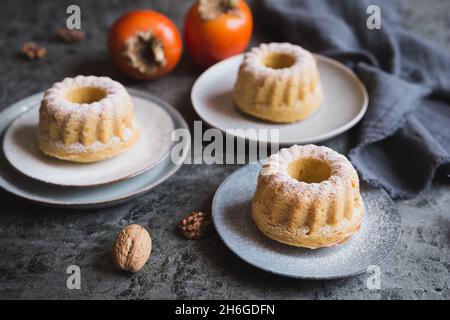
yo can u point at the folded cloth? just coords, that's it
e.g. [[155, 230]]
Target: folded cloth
[[404, 137]]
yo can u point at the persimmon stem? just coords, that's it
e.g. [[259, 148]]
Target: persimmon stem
[[229, 4], [145, 52], [211, 9]]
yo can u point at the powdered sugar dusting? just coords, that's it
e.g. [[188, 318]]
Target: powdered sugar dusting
[[55, 100], [304, 60], [277, 164], [276, 168]]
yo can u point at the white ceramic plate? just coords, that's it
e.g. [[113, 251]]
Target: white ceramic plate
[[88, 197], [379, 233], [345, 104], [20, 148]]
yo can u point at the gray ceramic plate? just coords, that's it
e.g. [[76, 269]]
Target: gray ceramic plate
[[378, 236], [344, 105], [22, 152], [86, 197]]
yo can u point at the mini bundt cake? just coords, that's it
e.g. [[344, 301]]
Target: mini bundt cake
[[278, 82], [308, 197], [86, 119]]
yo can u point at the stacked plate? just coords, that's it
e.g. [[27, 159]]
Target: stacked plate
[[26, 172]]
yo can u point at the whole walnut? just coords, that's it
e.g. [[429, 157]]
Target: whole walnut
[[132, 248]]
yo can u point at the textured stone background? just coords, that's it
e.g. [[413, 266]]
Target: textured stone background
[[37, 243]]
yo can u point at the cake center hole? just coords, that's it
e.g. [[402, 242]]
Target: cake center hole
[[278, 60], [309, 170], [86, 95]]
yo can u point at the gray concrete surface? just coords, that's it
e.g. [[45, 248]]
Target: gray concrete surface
[[37, 244]]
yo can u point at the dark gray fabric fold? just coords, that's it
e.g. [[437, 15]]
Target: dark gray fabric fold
[[405, 136]]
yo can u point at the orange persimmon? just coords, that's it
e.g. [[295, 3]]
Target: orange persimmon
[[144, 44], [217, 29]]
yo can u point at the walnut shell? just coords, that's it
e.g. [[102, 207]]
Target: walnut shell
[[195, 225], [132, 248]]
